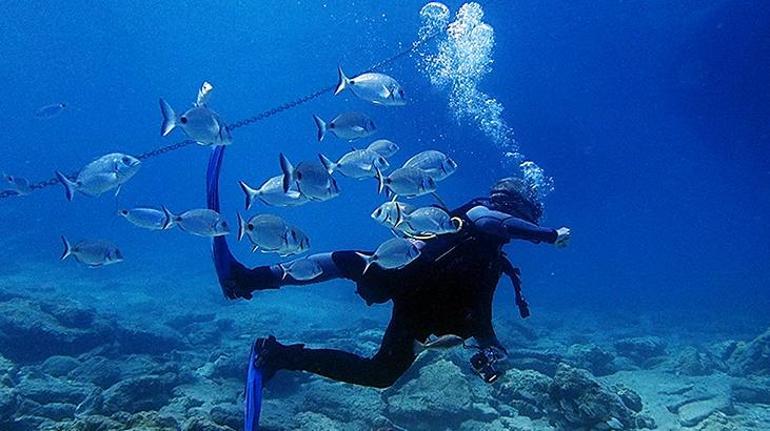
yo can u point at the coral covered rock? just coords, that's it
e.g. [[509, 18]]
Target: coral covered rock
[[752, 357], [592, 358], [641, 349]]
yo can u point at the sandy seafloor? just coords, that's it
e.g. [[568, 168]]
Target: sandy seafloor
[[158, 351]]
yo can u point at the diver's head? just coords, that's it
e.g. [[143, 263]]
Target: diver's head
[[512, 196]]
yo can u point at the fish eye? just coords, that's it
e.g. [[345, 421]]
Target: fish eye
[[126, 160], [250, 226], [299, 175], [401, 92], [183, 119], [124, 212]]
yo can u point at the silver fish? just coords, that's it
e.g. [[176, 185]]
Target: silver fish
[[202, 222], [92, 253], [271, 193], [312, 180], [407, 182], [17, 185], [391, 213], [443, 342], [105, 173], [50, 111], [435, 163], [296, 242], [266, 232], [149, 218], [384, 147], [377, 88], [356, 164], [301, 269], [199, 123], [348, 126], [427, 221], [392, 254]]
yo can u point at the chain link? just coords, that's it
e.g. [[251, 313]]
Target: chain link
[[238, 124]]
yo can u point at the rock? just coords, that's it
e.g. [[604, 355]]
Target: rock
[[58, 366], [526, 391], [8, 402], [543, 362], [27, 423], [154, 340], [631, 399], [202, 424], [691, 414], [45, 389], [97, 370], [28, 333], [641, 349], [311, 421], [138, 394], [230, 415], [503, 423], [96, 423], [441, 394], [592, 358], [224, 366], [184, 320], [752, 391], [691, 362], [70, 314], [340, 401], [584, 402], [752, 357], [55, 411]]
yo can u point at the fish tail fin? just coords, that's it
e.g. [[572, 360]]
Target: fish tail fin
[[241, 226], [342, 81], [67, 248], [169, 118], [288, 172], [380, 180], [170, 218], [321, 127], [69, 185], [328, 164], [369, 260], [249, 192]]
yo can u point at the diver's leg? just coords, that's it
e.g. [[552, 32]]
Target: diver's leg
[[395, 356], [243, 281]]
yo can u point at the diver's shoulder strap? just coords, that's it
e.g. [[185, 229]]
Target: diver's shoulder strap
[[514, 274]]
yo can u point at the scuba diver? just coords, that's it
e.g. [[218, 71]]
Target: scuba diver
[[448, 289]]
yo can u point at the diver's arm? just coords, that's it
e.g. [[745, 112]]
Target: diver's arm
[[509, 227]]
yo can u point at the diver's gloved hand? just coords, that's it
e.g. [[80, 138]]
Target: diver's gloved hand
[[563, 235], [240, 282], [484, 361]]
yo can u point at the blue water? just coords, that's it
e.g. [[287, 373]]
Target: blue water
[[653, 118]]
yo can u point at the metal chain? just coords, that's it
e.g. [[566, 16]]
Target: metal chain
[[241, 123]]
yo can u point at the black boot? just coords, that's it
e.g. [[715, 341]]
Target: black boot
[[241, 281], [272, 356]]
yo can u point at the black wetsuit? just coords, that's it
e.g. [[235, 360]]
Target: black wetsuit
[[448, 289]]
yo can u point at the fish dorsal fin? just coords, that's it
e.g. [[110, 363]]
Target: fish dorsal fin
[[203, 94]]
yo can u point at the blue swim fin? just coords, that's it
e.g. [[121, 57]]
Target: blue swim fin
[[224, 260], [253, 402]]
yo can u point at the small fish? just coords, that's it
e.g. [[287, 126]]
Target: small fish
[[17, 185], [377, 88], [356, 164], [443, 342], [105, 173], [408, 182], [295, 242], [201, 222], [92, 253], [392, 254], [301, 269], [435, 163], [348, 126], [428, 221], [312, 180], [271, 193], [391, 213], [383, 147], [50, 111], [199, 123], [266, 231], [149, 218]]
